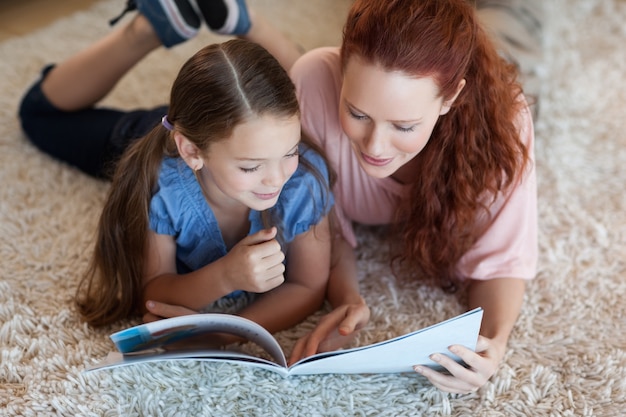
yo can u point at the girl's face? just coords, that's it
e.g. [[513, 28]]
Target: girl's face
[[251, 167], [388, 116]]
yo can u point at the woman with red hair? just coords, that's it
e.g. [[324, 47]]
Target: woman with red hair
[[429, 131]]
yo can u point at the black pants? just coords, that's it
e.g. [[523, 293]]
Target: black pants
[[91, 139]]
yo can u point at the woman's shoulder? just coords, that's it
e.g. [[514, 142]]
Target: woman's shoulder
[[318, 78], [326, 56], [317, 66]]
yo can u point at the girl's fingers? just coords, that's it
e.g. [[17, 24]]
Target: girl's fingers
[[167, 310]]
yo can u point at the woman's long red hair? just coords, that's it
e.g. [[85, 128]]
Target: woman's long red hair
[[475, 151]]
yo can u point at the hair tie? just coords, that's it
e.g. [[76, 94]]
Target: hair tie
[[166, 123]]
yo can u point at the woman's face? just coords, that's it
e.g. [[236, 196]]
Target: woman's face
[[388, 116]]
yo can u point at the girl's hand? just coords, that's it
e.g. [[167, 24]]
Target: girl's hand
[[482, 364], [335, 330], [255, 264], [157, 311]]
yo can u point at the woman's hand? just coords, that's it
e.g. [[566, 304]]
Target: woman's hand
[[481, 365], [335, 330], [501, 300]]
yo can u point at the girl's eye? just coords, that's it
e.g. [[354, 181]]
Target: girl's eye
[[405, 129], [248, 170], [291, 155]]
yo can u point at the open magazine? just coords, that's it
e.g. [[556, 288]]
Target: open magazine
[[150, 341]]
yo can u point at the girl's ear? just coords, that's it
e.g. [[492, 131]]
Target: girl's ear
[[445, 108], [189, 152]]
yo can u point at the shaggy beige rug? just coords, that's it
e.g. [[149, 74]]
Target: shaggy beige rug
[[567, 355]]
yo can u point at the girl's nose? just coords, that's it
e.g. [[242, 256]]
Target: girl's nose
[[275, 177]]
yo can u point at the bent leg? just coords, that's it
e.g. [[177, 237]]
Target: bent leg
[[91, 139], [265, 34], [57, 112], [87, 77], [79, 138]]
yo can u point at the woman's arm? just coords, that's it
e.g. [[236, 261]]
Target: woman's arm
[[350, 312], [501, 300], [302, 293], [343, 287]]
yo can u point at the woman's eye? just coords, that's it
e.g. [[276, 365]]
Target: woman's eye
[[356, 115]]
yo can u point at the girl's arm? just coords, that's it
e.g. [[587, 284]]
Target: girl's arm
[[302, 293], [350, 311], [501, 300], [254, 264]]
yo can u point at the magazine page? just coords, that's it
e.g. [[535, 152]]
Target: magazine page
[[117, 359], [153, 337], [398, 354], [144, 343]]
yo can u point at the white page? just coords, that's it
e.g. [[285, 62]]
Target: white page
[[399, 354]]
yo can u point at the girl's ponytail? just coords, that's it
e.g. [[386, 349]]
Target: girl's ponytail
[[111, 289]]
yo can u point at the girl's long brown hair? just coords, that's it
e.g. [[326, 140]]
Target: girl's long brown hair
[[218, 88], [475, 151]]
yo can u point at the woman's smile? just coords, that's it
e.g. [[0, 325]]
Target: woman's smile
[[379, 162]]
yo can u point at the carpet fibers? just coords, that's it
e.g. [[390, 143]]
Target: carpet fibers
[[567, 354]]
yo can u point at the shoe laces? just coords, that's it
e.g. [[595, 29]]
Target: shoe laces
[[130, 6]]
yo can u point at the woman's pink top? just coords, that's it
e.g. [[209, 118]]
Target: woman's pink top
[[508, 246]]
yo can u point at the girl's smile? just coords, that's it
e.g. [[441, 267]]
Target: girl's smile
[[269, 196]]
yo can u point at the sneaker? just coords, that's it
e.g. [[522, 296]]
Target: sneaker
[[226, 17], [174, 21]]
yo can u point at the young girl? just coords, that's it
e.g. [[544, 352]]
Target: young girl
[[214, 199]]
